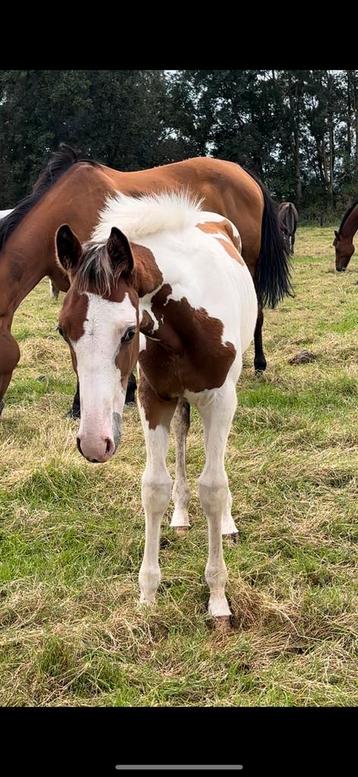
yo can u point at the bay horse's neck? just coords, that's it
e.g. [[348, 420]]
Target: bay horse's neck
[[350, 225], [29, 252]]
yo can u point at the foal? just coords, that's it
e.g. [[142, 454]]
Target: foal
[[168, 281]]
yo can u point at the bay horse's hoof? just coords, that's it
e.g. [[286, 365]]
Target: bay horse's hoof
[[181, 531], [73, 413]]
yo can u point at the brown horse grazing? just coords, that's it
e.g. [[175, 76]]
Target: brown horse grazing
[[75, 191], [288, 220], [343, 241]]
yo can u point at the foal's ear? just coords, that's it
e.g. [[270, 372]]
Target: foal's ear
[[68, 247], [119, 250]]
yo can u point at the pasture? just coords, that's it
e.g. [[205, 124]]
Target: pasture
[[72, 534]]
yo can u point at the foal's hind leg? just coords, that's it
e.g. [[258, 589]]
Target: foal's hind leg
[[214, 491], [156, 416], [229, 528], [180, 518]]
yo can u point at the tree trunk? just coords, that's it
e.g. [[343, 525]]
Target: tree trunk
[[355, 98], [349, 114], [331, 159], [295, 108]]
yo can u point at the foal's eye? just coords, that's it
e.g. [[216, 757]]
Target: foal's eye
[[129, 335]]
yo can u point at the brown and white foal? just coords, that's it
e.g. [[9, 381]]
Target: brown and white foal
[[167, 285]]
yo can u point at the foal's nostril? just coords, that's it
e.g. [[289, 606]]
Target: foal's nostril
[[109, 445]]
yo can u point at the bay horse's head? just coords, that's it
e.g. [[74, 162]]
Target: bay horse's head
[[99, 321], [344, 250]]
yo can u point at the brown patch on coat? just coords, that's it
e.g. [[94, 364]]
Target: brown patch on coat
[[147, 273], [147, 323], [73, 315], [233, 247], [188, 353], [231, 250], [157, 411]]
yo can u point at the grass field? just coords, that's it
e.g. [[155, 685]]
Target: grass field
[[72, 534]]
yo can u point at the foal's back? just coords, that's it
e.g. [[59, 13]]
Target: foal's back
[[202, 262]]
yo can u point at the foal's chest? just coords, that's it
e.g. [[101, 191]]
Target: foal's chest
[[188, 352]]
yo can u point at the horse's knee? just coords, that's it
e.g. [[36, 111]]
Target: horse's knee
[[10, 353], [213, 495], [156, 492]]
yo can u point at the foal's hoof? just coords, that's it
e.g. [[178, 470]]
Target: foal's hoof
[[181, 531], [222, 624], [232, 538]]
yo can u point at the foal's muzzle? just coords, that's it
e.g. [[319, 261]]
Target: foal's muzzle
[[99, 449]]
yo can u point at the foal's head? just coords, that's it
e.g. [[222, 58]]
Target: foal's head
[[99, 321]]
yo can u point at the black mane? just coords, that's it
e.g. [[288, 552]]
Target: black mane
[[59, 162], [347, 213]]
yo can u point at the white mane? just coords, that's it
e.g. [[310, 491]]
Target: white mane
[[147, 214]]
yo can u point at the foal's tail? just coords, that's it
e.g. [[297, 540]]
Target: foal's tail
[[272, 276]]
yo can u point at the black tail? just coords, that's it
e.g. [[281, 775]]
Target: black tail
[[272, 276]]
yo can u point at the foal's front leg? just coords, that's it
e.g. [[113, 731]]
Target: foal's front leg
[[180, 518], [156, 483], [214, 492]]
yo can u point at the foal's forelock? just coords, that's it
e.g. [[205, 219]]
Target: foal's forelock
[[96, 272]]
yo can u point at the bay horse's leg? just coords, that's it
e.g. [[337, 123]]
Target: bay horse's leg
[[75, 411], [214, 492], [131, 389], [293, 238], [9, 357], [155, 416], [259, 360], [54, 291], [180, 518]]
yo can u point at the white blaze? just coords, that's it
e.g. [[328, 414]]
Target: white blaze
[[101, 391]]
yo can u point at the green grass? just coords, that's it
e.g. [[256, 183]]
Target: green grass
[[71, 535]]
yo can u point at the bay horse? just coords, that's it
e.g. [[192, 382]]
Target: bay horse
[[72, 190], [162, 276], [343, 240], [288, 220]]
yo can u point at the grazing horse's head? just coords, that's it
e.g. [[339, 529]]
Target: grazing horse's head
[[99, 321], [344, 250]]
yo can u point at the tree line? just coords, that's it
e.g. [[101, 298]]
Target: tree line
[[296, 129]]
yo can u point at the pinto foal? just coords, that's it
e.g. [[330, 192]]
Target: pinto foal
[[166, 285]]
